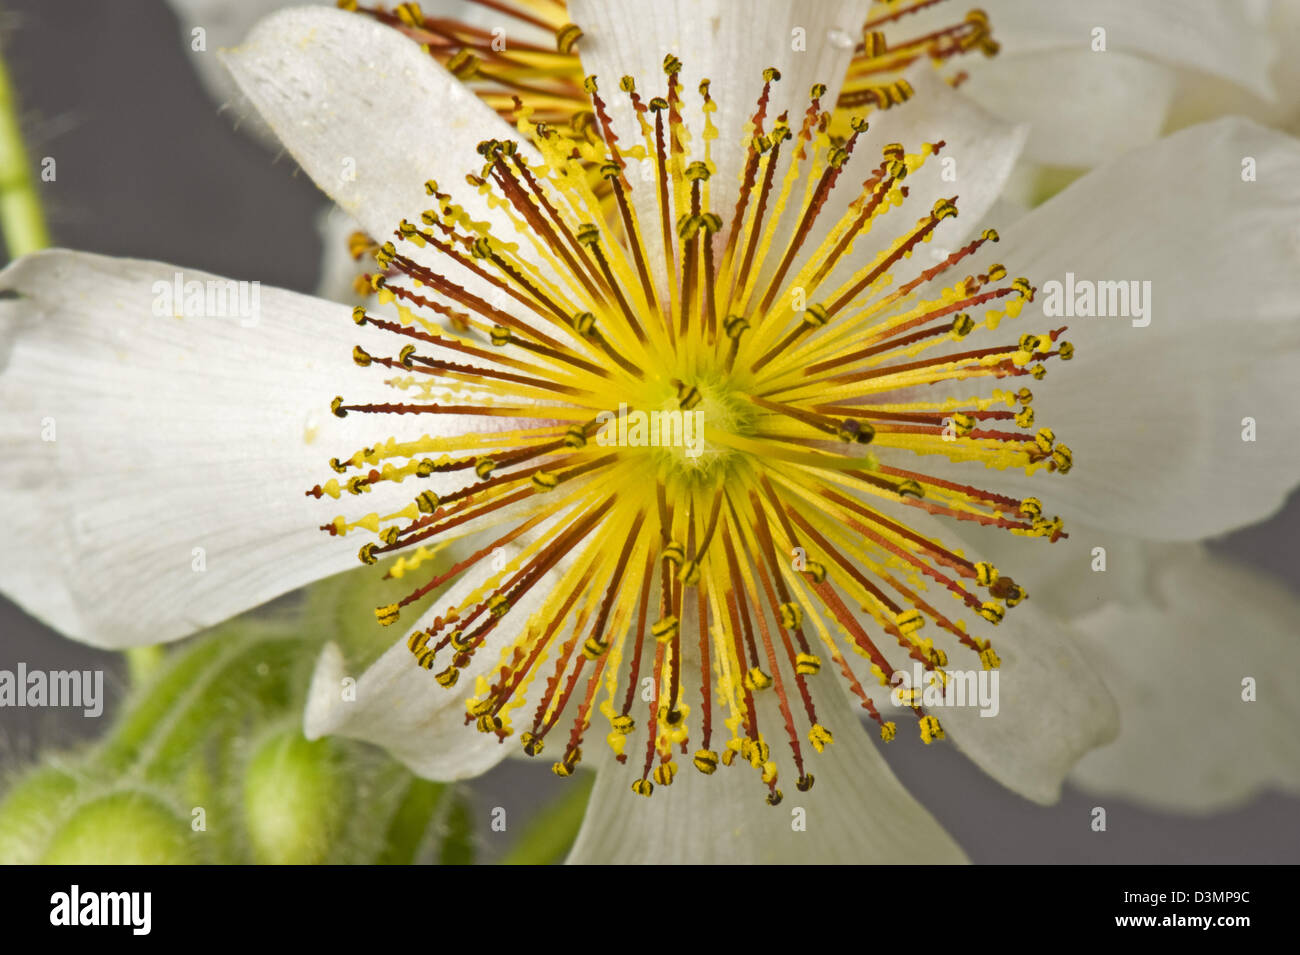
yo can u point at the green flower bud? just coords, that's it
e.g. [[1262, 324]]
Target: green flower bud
[[122, 828], [296, 798], [29, 813]]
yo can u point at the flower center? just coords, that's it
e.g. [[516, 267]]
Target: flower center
[[685, 585]]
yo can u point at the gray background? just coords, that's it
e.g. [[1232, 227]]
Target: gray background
[[147, 167]]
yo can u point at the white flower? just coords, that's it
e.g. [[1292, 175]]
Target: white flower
[[175, 434]]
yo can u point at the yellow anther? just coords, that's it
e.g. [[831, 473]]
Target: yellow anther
[[774, 797], [447, 678], [930, 729], [488, 723], [623, 724], [820, 737], [814, 571], [665, 772], [963, 424], [593, 648], [1063, 457], [756, 679], [1038, 371], [424, 659], [943, 209], [815, 315], [697, 171], [1031, 507], [643, 787], [909, 621], [990, 659], [477, 708], [791, 615], [910, 488], [566, 36], [359, 356], [992, 612], [1022, 286], [1030, 344], [818, 91], [389, 535], [769, 772], [584, 323], [806, 664], [533, 745], [359, 315], [706, 761], [427, 502], [357, 485], [1066, 350], [575, 437], [1025, 417], [404, 356], [417, 641], [856, 432], [735, 326], [459, 642], [544, 480], [888, 731], [367, 553], [484, 468], [963, 325], [674, 553], [498, 605], [388, 614], [771, 74], [500, 335], [563, 770], [665, 629], [985, 574], [990, 235], [1044, 439], [689, 573]]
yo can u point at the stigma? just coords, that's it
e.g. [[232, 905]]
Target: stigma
[[704, 426]]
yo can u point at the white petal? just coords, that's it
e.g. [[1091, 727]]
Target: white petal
[[164, 436], [367, 113], [1176, 666], [222, 23], [1228, 40], [1082, 108], [1155, 414], [857, 812], [1051, 706]]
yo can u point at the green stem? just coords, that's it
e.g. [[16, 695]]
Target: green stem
[[22, 221]]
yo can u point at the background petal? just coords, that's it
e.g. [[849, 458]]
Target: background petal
[[1176, 666]]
